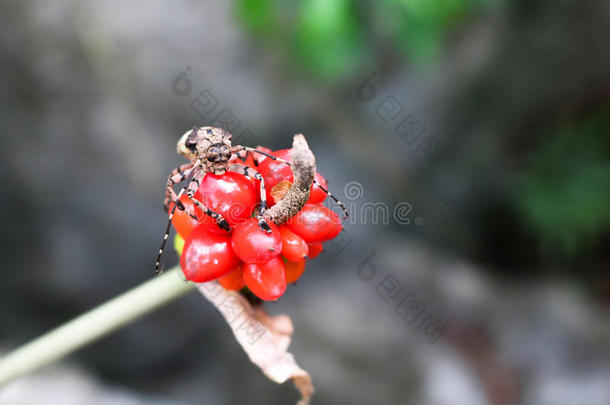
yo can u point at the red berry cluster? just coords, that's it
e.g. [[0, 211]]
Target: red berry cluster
[[247, 256]]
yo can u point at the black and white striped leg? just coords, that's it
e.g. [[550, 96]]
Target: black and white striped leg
[[335, 199], [176, 176], [190, 193], [250, 172], [239, 148], [191, 173], [242, 154]]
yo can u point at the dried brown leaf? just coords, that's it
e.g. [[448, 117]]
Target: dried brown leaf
[[264, 338]]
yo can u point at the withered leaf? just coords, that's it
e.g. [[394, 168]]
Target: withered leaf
[[264, 338]]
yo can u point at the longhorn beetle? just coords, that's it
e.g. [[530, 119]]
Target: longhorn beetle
[[209, 150]]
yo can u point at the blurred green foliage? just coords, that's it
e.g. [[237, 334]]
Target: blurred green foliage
[[333, 39], [419, 27], [565, 202], [328, 38], [564, 194]]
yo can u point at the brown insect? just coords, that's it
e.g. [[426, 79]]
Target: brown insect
[[209, 150]]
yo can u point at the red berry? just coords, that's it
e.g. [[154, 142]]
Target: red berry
[[294, 270], [182, 221], [252, 180], [253, 245], [283, 154], [315, 223], [259, 157], [294, 248], [314, 250], [233, 280], [273, 172], [317, 195], [207, 256], [266, 280], [231, 195], [249, 161]]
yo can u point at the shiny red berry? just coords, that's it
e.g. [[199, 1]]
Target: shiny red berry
[[253, 245], [233, 280], [283, 154], [182, 221], [273, 172], [258, 158], [266, 280], [314, 250], [231, 195], [294, 270], [207, 256], [294, 247], [315, 223], [317, 195], [252, 160]]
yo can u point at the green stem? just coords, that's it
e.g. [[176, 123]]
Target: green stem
[[93, 325]]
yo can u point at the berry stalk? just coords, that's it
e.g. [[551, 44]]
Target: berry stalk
[[93, 325]]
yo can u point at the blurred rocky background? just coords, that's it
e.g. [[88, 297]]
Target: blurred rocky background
[[480, 127]]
